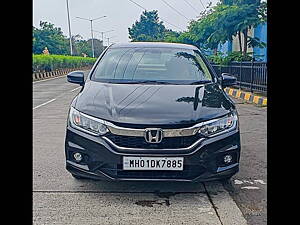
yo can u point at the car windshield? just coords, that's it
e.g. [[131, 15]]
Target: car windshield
[[152, 65]]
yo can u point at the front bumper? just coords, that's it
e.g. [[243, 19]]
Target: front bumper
[[103, 161]]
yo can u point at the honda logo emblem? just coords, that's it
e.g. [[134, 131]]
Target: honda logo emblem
[[153, 135]]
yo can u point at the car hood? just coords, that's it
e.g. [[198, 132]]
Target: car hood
[[153, 104]]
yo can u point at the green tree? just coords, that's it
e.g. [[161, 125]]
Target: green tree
[[227, 19], [148, 28], [171, 36], [81, 46], [205, 31], [51, 37], [250, 13], [98, 46], [188, 38]]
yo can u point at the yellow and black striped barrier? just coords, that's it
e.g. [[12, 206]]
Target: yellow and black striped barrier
[[60, 72], [247, 96]]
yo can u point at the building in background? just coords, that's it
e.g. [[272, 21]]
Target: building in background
[[260, 54]]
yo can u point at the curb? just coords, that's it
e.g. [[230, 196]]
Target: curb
[[247, 96], [226, 208], [45, 75]]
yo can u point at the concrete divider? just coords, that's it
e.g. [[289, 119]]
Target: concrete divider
[[45, 75], [247, 96]]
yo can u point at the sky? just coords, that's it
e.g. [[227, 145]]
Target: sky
[[120, 15]]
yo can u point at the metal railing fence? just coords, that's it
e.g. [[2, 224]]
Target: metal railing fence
[[250, 76]]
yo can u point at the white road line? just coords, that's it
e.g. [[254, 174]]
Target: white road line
[[250, 188], [49, 79], [75, 89], [260, 181], [238, 182], [45, 103], [53, 99]]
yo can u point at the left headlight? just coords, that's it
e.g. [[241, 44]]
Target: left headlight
[[221, 125], [87, 123]]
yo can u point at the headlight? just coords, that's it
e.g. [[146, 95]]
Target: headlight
[[218, 126], [87, 123]]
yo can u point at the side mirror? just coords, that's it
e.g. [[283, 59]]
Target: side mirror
[[76, 77], [227, 80]]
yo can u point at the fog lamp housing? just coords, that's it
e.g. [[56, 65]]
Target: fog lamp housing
[[227, 159], [78, 157]]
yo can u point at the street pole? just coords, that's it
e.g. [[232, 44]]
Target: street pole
[[108, 39], [71, 48], [92, 39], [91, 20], [102, 33]]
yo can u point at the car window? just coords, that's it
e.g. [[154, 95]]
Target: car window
[[152, 64]]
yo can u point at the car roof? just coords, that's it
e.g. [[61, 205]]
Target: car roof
[[153, 45]]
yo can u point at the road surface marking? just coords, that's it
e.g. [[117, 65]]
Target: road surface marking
[[75, 89], [247, 181], [260, 181], [239, 182], [250, 187], [53, 99], [45, 103]]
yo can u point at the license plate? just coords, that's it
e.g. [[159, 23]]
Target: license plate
[[152, 163]]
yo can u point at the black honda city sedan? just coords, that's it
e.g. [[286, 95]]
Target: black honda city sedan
[[152, 112]]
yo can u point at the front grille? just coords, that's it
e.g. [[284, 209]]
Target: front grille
[[140, 142]]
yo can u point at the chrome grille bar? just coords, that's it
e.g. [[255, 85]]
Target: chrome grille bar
[[123, 131]]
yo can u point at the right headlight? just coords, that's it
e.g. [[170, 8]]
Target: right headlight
[[218, 126], [87, 123]]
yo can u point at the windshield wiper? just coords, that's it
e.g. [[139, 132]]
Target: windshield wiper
[[201, 82], [146, 82], [153, 82]]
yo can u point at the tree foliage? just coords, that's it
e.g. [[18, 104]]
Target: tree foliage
[[227, 19], [214, 26], [51, 37], [148, 28], [98, 46], [236, 56]]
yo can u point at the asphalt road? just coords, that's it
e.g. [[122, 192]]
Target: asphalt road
[[249, 186], [58, 198]]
